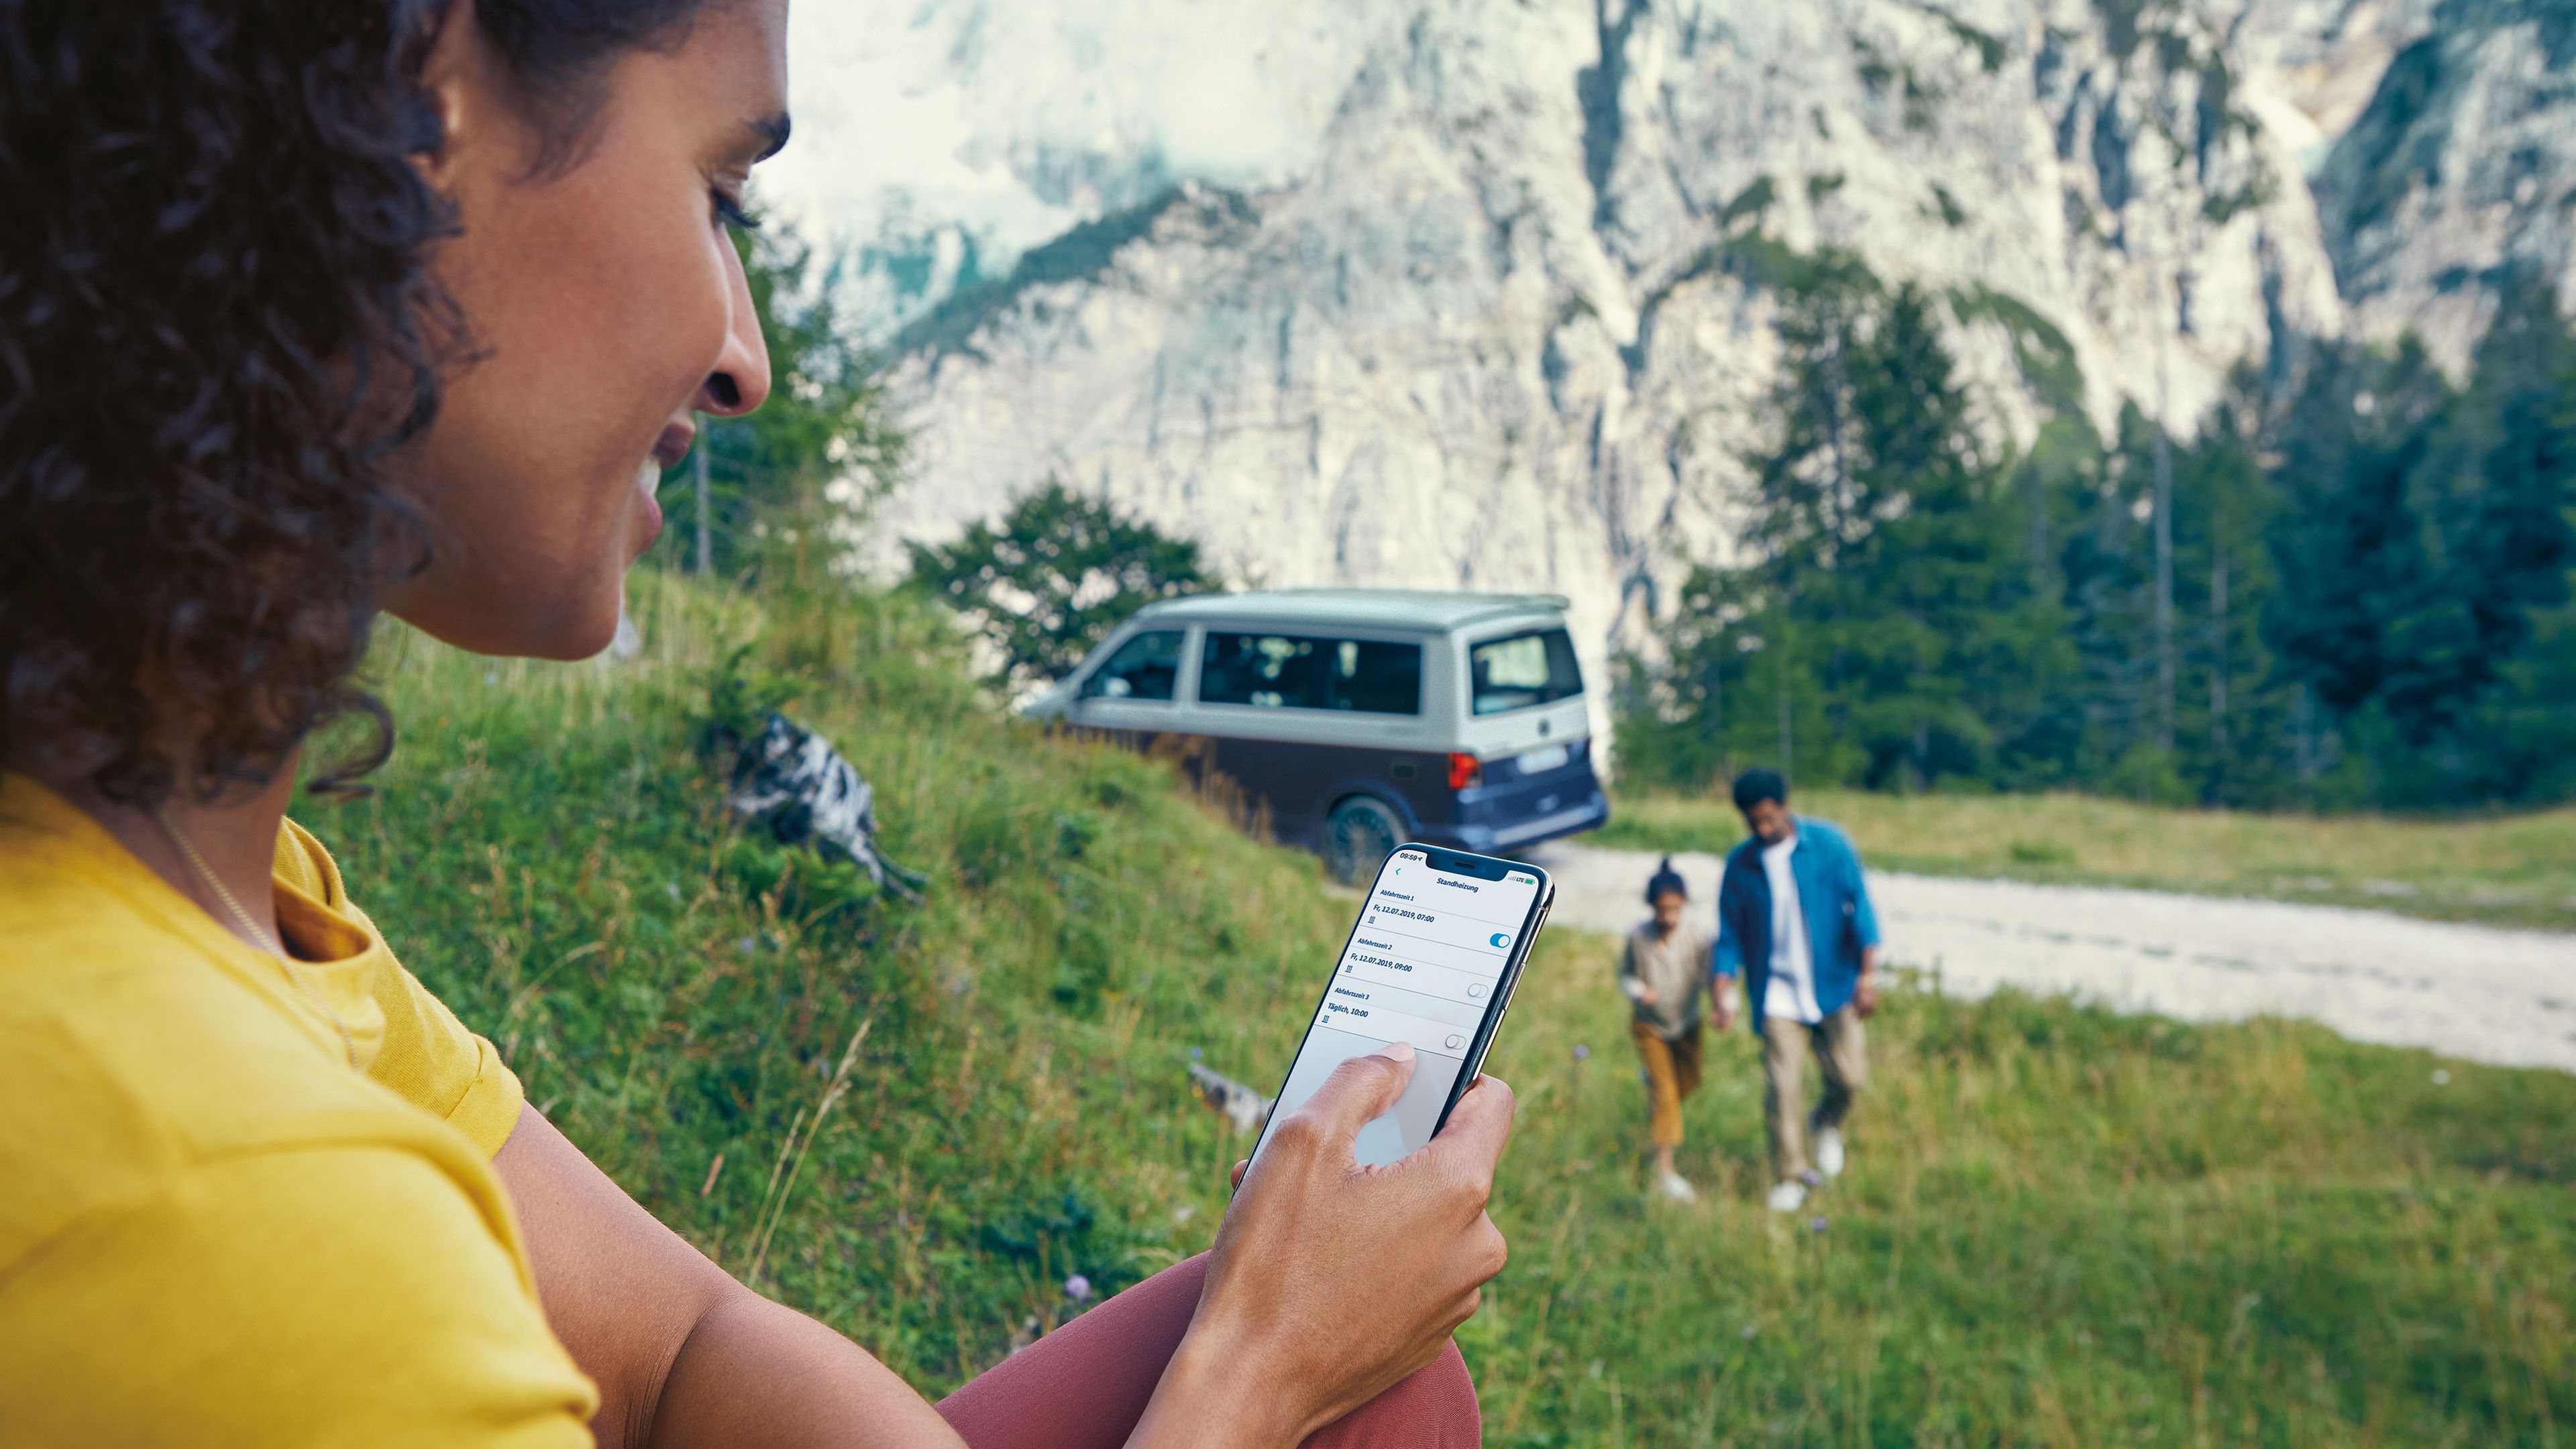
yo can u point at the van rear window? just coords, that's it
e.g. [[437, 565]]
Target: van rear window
[[1291, 671], [1523, 670]]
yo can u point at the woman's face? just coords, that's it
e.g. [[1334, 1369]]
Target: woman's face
[[606, 304]]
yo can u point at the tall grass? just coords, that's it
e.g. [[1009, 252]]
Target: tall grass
[[2510, 870], [2061, 1227]]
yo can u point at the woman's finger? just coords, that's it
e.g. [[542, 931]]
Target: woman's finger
[[1358, 1092], [1473, 1137]]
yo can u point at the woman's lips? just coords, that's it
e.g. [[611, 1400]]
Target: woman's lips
[[668, 451], [647, 479]]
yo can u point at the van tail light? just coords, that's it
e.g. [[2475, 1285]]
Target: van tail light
[[1464, 772]]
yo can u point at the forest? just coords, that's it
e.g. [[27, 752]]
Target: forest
[[2347, 588]]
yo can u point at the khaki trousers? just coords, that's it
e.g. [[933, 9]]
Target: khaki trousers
[[1842, 1055], [1672, 1073]]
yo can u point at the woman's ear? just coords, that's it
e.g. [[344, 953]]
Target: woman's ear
[[461, 77]]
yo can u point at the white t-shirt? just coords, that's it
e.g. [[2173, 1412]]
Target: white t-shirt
[[1792, 989]]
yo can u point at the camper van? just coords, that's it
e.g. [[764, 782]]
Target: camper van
[[1361, 718]]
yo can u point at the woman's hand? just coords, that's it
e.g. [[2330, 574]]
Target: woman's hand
[[1331, 1282]]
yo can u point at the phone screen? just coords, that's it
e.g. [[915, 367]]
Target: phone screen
[[1428, 963]]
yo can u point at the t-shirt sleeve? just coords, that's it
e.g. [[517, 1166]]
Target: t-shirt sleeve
[[336, 1295], [430, 1060], [1631, 986]]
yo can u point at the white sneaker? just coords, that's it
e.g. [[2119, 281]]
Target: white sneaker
[[1673, 1185], [1829, 1151], [1788, 1197]]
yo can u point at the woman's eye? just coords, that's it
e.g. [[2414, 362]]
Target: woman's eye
[[730, 211]]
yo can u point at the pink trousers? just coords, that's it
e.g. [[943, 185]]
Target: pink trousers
[[1085, 1385]]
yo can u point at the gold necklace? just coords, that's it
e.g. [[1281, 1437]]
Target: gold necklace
[[258, 936]]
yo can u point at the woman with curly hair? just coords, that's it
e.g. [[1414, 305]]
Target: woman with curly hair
[[316, 309]]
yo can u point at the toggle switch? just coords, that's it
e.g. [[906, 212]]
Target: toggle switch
[[1455, 1040], [1475, 991]]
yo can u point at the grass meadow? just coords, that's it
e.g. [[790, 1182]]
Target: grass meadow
[[2515, 870], [2062, 1227]]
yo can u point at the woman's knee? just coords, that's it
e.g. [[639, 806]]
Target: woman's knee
[[1434, 1409]]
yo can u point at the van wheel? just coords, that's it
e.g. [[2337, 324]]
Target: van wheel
[[1358, 837]]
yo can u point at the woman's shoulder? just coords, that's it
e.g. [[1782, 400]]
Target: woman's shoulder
[[131, 1053], [319, 1291], [123, 1075]]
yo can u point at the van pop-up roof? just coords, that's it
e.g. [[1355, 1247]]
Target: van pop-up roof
[[1440, 610]]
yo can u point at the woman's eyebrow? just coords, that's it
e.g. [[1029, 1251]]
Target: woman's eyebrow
[[771, 132]]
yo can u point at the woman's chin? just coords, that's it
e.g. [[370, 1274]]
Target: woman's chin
[[566, 625]]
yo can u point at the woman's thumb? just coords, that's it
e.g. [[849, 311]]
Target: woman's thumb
[[1360, 1091]]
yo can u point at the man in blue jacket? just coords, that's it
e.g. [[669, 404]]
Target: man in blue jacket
[[1793, 920]]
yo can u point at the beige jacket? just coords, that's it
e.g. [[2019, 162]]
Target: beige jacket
[[1676, 967]]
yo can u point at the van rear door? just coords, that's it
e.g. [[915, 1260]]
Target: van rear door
[[1529, 724]]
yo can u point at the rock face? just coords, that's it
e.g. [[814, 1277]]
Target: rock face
[[2461, 167], [1507, 321]]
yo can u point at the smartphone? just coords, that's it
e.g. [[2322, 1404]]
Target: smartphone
[[1433, 960]]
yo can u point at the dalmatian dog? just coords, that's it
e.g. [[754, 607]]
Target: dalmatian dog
[[793, 781], [1230, 1099]]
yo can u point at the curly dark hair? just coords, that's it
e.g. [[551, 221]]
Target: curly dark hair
[[217, 320]]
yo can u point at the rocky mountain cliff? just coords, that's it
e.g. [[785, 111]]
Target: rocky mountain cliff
[[1500, 315]]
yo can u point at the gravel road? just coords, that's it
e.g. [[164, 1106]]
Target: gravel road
[[2474, 992]]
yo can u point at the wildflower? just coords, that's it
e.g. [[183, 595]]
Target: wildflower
[[1817, 1224], [1078, 1288], [1581, 1051], [2441, 1078]]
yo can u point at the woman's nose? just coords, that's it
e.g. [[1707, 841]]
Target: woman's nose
[[740, 381]]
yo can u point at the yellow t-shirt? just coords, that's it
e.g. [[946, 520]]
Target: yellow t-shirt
[[212, 1231]]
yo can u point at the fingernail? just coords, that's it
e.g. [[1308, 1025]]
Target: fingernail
[[1397, 1051]]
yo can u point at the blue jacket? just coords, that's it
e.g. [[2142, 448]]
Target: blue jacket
[[1831, 893]]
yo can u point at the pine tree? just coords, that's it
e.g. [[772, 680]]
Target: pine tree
[[2350, 554], [2489, 502], [1892, 607]]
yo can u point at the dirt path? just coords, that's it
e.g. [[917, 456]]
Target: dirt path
[[2475, 992]]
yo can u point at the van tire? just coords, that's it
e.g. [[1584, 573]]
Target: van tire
[[1359, 834]]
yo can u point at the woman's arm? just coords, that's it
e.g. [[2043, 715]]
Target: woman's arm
[[685, 1355], [1359, 1276]]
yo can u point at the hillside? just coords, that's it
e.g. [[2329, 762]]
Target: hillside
[[2062, 1227]]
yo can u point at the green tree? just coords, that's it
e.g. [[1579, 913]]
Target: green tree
[[1054, 575], [1891, 629], [2350, 553], [2489, 502], [2370, 575], [2425, 551]]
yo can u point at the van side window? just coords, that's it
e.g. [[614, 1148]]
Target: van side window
[[1523, 670], [1147, 666], [1287, 671]]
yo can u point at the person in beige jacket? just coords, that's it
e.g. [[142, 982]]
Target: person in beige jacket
[[1664, 971]]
